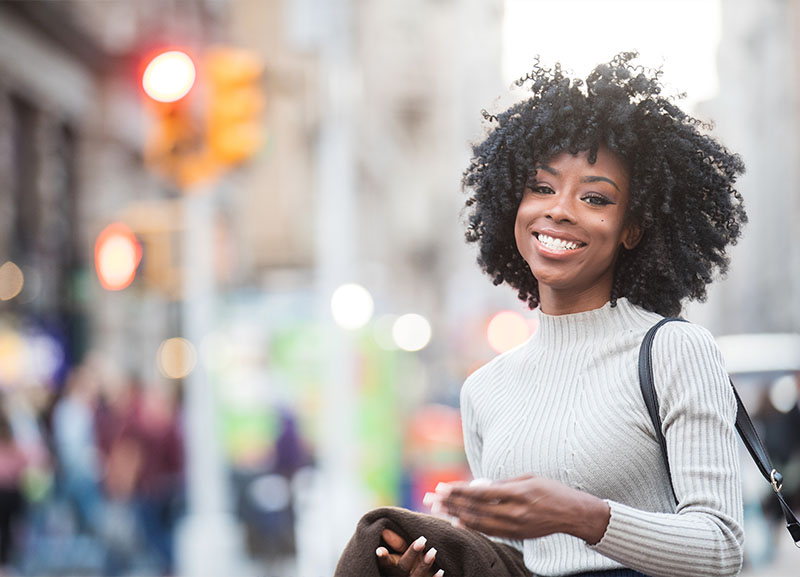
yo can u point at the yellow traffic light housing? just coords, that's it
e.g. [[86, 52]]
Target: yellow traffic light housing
[[196, 134], [234, 104]]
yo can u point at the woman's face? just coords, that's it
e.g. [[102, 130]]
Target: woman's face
[[570, 227]]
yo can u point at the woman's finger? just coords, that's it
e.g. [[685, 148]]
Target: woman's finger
[[393, 540], [387, 562], [458, 506], [389, 568], [424, 567], [489, 493], [412, 556]]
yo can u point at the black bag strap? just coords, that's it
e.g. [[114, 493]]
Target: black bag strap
[[744, 427]]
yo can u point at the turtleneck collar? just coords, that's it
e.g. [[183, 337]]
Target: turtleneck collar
[[604, 322]]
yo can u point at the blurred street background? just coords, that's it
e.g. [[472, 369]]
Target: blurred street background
[[236, 306]]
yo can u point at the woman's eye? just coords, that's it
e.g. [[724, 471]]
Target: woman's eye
[[541, 189], [596, 199]]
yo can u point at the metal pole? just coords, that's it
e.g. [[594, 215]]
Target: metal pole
[[209, 541]]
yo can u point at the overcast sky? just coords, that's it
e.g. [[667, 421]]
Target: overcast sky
[[680, 35]]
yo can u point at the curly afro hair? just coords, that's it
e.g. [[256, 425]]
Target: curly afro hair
[[682, 193]]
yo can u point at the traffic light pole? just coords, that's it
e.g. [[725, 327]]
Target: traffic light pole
[[210, 541]]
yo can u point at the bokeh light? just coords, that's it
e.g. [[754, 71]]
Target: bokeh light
[[45, 357], [11, 281], [176, 357], [783, 393], [506, 330], [117, 254], [30, 357], [169, 76], [12, 357], [271, 492], [411, 332], [352, 306]]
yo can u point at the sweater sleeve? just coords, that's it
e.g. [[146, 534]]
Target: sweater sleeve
[[698, 411]]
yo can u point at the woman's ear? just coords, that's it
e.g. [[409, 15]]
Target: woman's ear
[[631, 236]]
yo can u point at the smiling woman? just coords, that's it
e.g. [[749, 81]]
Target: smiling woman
[[680, 181], [606, 206], [570, 224]]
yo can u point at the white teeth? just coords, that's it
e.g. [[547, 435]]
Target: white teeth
[[557, 243]]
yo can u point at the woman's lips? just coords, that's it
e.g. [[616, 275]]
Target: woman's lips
[[557, 244]]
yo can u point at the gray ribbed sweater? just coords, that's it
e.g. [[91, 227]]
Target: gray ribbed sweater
[[567, 405]]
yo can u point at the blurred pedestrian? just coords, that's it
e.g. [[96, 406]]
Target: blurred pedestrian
[[143, 447], [291, 451], [77, 451], [159, 488], [123, 535], [290, 455], [604, 205], [12, 466]]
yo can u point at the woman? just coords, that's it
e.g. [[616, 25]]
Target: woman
[[604, 205]]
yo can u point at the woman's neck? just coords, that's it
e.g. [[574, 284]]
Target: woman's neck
[[554, 302]]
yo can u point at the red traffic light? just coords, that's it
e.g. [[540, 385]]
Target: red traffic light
[[169, 76], [117, 254]]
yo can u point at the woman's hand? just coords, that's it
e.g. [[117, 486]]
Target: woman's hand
[[525, 508], [405, 560]]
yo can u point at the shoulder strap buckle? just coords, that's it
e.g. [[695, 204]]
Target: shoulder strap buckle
[[776, 479]]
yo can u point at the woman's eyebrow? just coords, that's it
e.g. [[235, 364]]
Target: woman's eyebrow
[[547, 168], [600, 179]]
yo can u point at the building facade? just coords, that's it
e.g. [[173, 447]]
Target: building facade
[[757, 114]]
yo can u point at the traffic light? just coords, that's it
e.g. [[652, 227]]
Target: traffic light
[[167, 81], [158, 227], [117, 254], [169, 76], [234, 104], [197, 132]]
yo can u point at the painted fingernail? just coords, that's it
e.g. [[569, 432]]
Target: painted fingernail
[[419, 544], [456, 522], [431, 498], [480, 482], [436, 508], [430, 555], [381, 551], [439, 573], [443, 488]]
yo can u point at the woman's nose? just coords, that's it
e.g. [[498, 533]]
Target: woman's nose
[[560, 209]]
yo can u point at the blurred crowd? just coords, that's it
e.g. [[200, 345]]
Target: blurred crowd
[[91, 477]]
